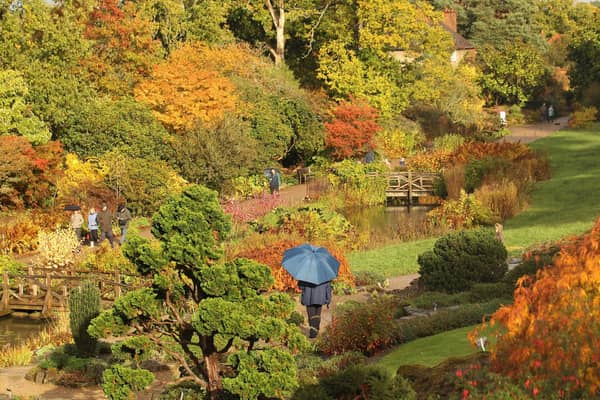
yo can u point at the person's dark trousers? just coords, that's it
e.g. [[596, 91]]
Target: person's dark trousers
[[93, 237], [109, 235], [314, 319]]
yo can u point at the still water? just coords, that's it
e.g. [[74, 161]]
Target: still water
[[390, 224], [16, 330]]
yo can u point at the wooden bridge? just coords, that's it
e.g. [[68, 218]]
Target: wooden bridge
[[409, 185], [46, 289]]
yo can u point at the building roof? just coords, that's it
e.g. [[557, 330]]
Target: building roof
[[460, 43]]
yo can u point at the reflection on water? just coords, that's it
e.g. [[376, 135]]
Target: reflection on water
[[387, 224], [16, 330]]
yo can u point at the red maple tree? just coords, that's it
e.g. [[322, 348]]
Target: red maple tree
[[351, 132]]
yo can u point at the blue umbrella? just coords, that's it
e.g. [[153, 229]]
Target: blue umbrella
[[310, 263]]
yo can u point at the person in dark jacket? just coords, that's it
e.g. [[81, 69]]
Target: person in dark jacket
[[123, 216], [105, 222], [313, 297]]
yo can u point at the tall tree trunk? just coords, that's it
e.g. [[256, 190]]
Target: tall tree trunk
[[277, 11], [211, 365]]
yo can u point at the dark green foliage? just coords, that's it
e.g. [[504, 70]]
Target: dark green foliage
[[84, 305], [534, 261], [184, 391], [358, 381], [203, 311], [190, 227], [445, 320], [431, 300], [214, 156], [120, 382], [477, 170], [460, 259], [481, 292], [105, 124], [439, 187]]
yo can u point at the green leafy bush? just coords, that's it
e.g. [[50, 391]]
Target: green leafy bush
[[448, 142], [365, 328], [358, 382], [532, 262], [477, 170], [460, 259], [120, 383], [84, 305], [465, 212], [430, 300], [445, 320], [353, 181]]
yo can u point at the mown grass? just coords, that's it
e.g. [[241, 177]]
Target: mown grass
[[562, 206], [430, 351]]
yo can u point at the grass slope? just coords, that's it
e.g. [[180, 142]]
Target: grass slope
[[562, 206], [430, 351]]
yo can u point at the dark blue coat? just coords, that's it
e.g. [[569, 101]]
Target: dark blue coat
[[315, 294]]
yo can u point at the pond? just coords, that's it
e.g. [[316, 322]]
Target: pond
[[390, 224], [16, 330]]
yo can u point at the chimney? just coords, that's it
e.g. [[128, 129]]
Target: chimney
[[450, 19]]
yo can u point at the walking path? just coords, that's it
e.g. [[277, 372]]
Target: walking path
[[529, 133]]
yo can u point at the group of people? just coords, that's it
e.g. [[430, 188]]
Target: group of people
[[102, 221], [548, 113]]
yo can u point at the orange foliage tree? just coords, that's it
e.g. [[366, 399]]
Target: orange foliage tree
[[550, 337], [123, 48], [352, 130], [270, 252], [27, 173], [182, 92]]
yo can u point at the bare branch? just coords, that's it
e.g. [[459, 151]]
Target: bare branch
[[314, 29]]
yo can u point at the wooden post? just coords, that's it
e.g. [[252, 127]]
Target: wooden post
[[117, 285], [410, 188], [48, 299], [5, 291]]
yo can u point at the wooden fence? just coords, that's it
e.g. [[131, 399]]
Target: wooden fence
[[47, 289]]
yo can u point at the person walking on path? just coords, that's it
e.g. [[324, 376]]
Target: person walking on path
[[550, 113], [274, 181], [123, 216], [105, 221], [314, 297], [93, 226], [77, 224], [544, 112]]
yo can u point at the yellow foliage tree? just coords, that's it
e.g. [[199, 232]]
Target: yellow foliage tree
[[182, 91], [82, 182]]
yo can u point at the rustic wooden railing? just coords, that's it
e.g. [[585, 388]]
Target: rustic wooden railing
[[47, 289], [409, 184]]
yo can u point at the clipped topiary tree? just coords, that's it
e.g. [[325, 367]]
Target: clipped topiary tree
[[84, 305], [202, 312], [460, 259]]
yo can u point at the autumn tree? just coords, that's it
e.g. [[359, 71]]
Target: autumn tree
[[28, 174], [123, 47], [352, 130], [203, 312], [549, 338], [181, 92]]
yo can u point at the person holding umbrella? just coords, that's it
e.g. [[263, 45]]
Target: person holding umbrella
[[314, 297], [314, 268]]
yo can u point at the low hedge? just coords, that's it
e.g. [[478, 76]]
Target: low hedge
[[480, 292], [445, 320]]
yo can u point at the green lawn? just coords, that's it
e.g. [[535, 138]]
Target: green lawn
[[565, 205], [431, 350]]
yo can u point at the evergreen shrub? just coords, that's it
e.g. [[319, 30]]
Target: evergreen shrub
[[460, 259], [84, 305]]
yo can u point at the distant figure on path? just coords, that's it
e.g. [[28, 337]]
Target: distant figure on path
[[77, 224], [502, 118], [500, 232], [544, 112], [105, 222], [123, 216], [93, 226], [313, 297], [274, 181], [550, 113]]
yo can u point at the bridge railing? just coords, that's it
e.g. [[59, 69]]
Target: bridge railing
[[45, 289]]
